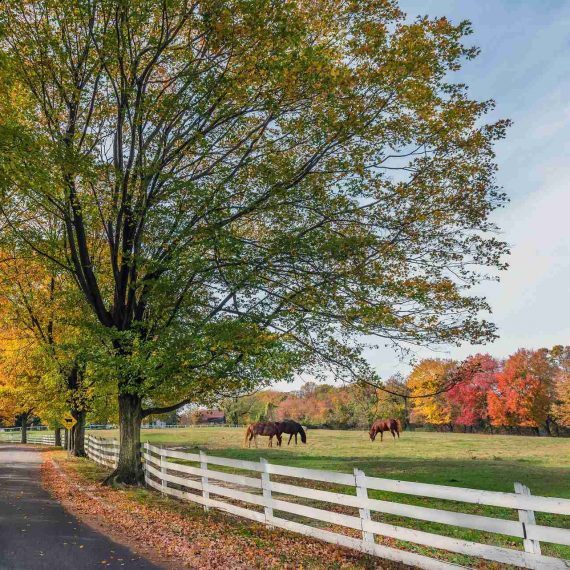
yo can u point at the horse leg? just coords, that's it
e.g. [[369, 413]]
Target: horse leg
[[255, 439], [270, 441], [290, 438], [295, 439], [393, 434], [381, 436]]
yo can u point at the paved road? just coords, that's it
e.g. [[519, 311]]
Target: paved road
[[36, 533]]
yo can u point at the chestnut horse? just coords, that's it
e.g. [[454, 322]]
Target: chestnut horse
[[292, 429], [270, 429], [382, 426]]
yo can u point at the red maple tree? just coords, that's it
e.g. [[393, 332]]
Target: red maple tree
[[468, 398]]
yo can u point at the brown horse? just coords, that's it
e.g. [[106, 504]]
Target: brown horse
[[292, 428], [270, 429], [382, 426]]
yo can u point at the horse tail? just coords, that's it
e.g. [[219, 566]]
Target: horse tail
[[248, 431], [303, 434]]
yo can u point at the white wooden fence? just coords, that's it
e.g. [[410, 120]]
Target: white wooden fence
[[198, 480], [39, 437]]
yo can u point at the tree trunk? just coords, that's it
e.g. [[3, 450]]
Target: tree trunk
[[57, 434], [129, 470], [548, 425], [78, 434], [24, 429]]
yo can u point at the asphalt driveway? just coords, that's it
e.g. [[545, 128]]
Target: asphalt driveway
[[36, 533]]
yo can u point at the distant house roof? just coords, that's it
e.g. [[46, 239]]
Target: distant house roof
[[209, 415]]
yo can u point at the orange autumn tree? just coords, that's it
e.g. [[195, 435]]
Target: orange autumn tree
[[524, 390]]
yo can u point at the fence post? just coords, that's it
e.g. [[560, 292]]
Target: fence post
[[266, 488], [362, 493], [146, 451], [527, 517], [204, 467], [163, 469]]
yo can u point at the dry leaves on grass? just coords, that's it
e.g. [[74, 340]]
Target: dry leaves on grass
[[183, 532]]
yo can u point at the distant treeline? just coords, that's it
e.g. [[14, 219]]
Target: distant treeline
[[528, 392]]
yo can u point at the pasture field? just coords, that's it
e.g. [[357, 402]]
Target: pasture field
[[491, 462]]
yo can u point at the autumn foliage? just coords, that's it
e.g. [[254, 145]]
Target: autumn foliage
[[468, 399], [528, 391]]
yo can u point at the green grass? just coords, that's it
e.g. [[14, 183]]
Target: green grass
[[491, 462], [465, 460]]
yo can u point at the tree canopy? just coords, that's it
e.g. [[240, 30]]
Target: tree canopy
[[240, 190]]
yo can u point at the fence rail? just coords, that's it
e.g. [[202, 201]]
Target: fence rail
[[262, 492]]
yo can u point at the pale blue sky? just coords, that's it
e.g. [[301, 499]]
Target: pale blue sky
[[525, 66]]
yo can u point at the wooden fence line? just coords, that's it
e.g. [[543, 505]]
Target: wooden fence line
[[183, 480], [198, 481]]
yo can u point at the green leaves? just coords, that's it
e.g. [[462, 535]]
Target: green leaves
[[243, 189]]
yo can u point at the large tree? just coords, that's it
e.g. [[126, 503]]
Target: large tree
[[247, 187], [428, 384], [524, 390], [469, 397], [41, 309]]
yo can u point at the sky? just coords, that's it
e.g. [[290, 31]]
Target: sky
[[524, 66]]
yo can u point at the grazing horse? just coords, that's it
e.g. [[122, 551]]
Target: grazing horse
[[382, 426], [270, 429], [292, 428]]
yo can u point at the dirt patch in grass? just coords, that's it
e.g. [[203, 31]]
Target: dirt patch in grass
[[180, 535]]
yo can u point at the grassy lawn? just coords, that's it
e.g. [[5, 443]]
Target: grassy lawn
[[463, 460]]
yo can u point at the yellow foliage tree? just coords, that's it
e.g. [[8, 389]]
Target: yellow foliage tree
[[19, 379], [561, 407], [429, 379]]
